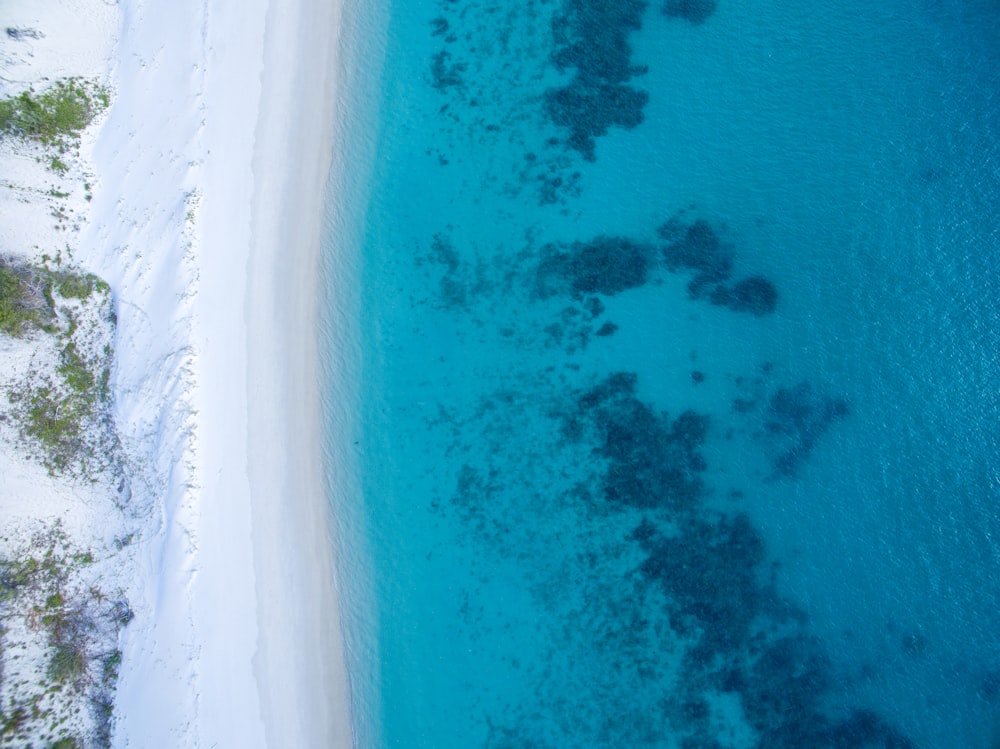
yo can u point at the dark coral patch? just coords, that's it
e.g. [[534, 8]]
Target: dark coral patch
[[695, 11], [652, 461], [755, 295], [697, 248], [589, 110], [605, 265], [439, 26], [445, 72], [796, 418], [709, 572], [863, 729], [592, 39], [616, 385]]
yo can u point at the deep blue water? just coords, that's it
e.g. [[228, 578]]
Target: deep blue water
[[678, 376]]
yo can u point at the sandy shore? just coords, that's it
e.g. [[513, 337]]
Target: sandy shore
[[211, 171], [297, 659], [299, 662]]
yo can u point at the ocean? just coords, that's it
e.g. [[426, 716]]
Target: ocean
[[672, 335]]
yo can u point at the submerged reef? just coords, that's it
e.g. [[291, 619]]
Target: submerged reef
[[796, 417], [592, 40], [786, 421], [709, 571], [697, 248], [651, 460], [663, 603], [745, 639], [610, 265], [604, 265], [445, 72], [695, 11], [755, 295]]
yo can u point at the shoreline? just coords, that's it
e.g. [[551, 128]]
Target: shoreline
[[203, 196], [208, 227], [299, 628]]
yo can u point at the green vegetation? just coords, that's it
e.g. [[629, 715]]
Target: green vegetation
[[55, 421], [63, 412], [77, 375], [58, 166], [80, 666], [110, 666], [56, 116], [12, 724], [69, 742], [56, 415], [66, 419], [23, 305], [73, 286], [26, 295], [69, 656]]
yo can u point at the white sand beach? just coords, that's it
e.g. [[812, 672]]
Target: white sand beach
[[208, 176], [299, 663], [250, 611]]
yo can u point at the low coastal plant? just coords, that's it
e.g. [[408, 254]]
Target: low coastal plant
[[58, 166], [55, 117], [76, 286], [55, 421], [74, 631], [23, 301], [63, 413], [69, 742]]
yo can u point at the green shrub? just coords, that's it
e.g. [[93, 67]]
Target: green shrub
[[69, 660], [15, 314], [56, 423], [11, 724], [69, 742], [77, 374], [76, 286], [65, 415], [55, 116], [110, 665]]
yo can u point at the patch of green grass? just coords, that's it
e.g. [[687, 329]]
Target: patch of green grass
[[81, 664], [78, 375], [55, 116], [58, 166], [109, 667], [56, 416], [55, 421], [64, 414], [77, 286], [69, 660], [19, 310], [16, 575], [104, 385], [68, 742], [11, 724]]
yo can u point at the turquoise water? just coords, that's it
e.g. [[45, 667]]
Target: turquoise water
[[678, 378]]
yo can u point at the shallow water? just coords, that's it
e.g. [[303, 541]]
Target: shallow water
[[679, 422]]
